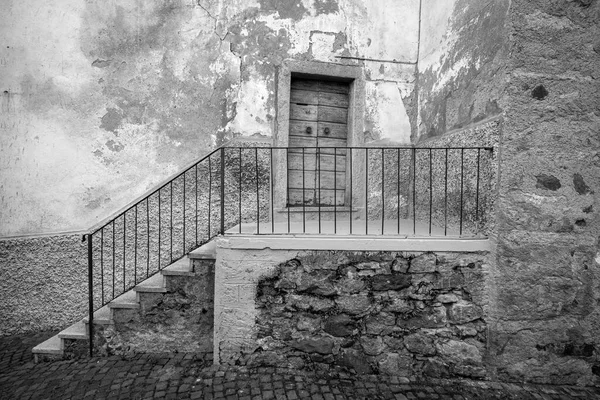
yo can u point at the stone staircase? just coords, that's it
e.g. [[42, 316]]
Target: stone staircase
[[168, 312]]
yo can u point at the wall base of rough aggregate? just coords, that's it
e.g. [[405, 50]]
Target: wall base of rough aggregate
[[403, 314], [43, 281]]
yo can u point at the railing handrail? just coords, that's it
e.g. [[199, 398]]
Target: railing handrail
[[140, 199], [117, 214]]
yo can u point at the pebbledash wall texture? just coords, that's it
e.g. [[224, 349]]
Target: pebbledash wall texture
[[101, 101]]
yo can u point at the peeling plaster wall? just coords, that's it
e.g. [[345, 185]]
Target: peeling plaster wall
[[103, 100], [462, 55]]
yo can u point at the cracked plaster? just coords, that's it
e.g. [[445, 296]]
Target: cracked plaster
[[112, 98]]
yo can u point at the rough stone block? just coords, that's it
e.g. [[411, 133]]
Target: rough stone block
[[423, 264], [462, 312], [348, 285], [310, 303], [380, 324], [340, 325], [391, 282], [459, 352], [419, 343], [372, 345], [320, 345], [353, 304], [395, 364]]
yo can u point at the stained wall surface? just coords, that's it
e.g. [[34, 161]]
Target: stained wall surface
[[462, 56], [548, 252], [103, 100], [534, 68]]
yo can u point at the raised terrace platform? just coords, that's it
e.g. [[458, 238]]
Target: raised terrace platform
[[405, 228]]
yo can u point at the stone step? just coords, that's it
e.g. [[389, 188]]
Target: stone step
[[101, 317], [126, 300], [207, 251], [179, 268], [154, 284], [75, 331], [54, 346]]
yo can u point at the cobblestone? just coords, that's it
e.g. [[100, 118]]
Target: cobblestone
[[192, 376]]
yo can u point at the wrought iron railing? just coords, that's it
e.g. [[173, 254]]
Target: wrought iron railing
[[304, 190]]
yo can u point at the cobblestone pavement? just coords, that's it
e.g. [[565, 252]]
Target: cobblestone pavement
[[192, 376]]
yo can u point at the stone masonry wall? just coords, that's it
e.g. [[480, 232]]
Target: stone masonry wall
[[180, 320], [402, 314]]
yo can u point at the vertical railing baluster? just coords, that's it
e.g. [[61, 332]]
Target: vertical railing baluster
[[135, 243], [102, 263], [171, 221], [114, 261], [446, 195], [335, 190], [430, 190], [382, 191], [351, 197], [90, 294], [272, 185], [366, 191], [462, 154], [184, 246], [477, 194], [319, 184], [124, 237], [148, 236], [159, 230], [398, 188], [303, 193], [209, 235], [257, 192], [287, 183], [196, 201], [222, 190], [240, 189], [414, 157]]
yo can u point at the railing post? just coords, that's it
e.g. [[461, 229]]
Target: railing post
[[222, 190], [91, 293]]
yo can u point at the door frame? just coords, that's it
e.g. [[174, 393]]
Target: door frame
[[354, 75]]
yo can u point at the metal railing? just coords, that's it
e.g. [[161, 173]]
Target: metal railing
[[403, 191]]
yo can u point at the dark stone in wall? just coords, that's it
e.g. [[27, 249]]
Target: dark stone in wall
[[391, 282], [580, 185], [340, 325], [377, 318], [547, 182], [539, 92]]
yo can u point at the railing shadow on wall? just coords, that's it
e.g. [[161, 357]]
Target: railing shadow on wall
[[392, 191]]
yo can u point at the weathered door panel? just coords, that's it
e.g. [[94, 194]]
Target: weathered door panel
[[318, 118]]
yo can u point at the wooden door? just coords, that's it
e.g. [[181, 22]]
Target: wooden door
[[318, 122]]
